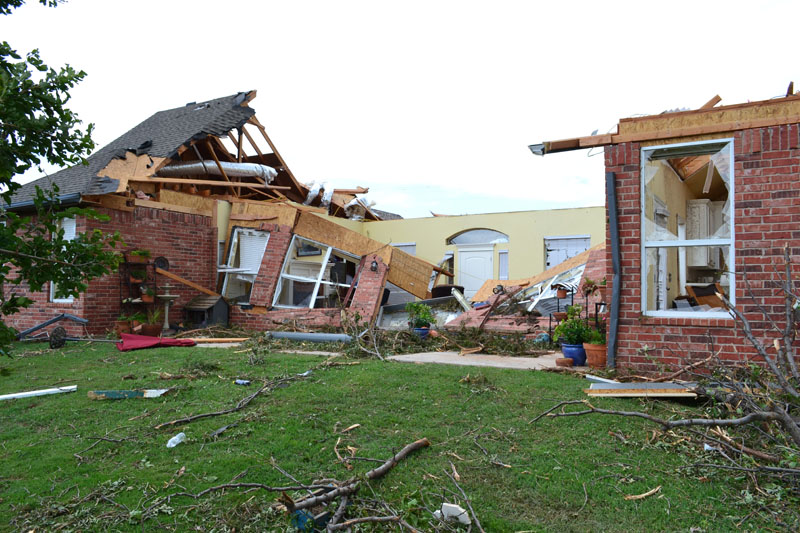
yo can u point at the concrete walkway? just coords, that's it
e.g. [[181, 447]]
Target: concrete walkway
[[497, 361]]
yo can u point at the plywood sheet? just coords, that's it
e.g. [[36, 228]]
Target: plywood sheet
[[200, 203], [313, 227], [410, 273], [132, 166]]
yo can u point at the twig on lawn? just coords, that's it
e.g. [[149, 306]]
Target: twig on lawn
[[277, 467], [354, 521], [466, 500]]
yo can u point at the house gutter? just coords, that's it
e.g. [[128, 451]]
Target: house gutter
[[616, 287], [64, 200]]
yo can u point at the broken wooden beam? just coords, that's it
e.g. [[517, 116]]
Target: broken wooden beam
[[185, 281]]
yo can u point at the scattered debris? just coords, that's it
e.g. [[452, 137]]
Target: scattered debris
[[642, 390], [241, 382], [451, 511], [125, 394], [177, 439], [643, 496], [130, 341], [43, 392]]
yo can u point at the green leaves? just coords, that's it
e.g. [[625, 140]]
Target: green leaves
[[35, 124]]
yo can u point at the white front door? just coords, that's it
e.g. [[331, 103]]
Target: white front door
[[475, 266], [559, 249]]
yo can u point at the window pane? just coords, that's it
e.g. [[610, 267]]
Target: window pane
[[478, 236], [684, 278], [502, 267], [686, 192]]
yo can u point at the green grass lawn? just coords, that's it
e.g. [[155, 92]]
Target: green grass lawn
[[567, 474]]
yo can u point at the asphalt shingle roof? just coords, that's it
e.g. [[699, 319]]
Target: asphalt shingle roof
[[159, 136]]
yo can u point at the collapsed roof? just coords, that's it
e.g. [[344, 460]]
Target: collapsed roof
[[216, 136]]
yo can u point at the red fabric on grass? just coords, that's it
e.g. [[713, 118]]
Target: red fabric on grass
[[140, 342]]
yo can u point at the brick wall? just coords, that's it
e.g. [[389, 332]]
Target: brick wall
[[189, 242], [766, 217], [366, 298]]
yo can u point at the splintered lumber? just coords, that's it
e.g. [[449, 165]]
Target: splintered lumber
[[125, 394], [642, 390], [186, 282], [169, 207], [42, 392]]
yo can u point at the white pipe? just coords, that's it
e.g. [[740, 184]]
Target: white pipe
[[238, 170], [43, 392]]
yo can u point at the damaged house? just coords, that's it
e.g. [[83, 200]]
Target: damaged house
[[203, 190], [700, 203]]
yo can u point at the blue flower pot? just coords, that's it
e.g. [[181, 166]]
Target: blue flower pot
[[422, 333], [574, 352]]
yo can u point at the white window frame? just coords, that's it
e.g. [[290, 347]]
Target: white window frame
[[68, 299], [683, 244], [327, 252], [228, 270]]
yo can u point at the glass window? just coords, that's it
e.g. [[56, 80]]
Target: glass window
[[687, 223], [478, 236], [69, 227], [502, 264]]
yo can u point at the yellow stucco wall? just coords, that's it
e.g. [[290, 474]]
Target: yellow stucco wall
[[526, 231]]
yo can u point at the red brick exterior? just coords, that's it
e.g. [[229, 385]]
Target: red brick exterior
[[366, 298], [766, 217], [189, 242]]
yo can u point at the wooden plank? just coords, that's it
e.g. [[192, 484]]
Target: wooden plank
[[189, 181], [221, 339], [357, 190], [711, 103], [252, 217], [113, 201], [641, 393], [125, 394], [169, 207], [186, 282]]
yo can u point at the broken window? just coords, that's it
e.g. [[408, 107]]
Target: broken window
[[687, 223], [315, 276], [244, 259], [69, 227]]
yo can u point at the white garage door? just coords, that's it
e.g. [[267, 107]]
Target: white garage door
[[559, 249]]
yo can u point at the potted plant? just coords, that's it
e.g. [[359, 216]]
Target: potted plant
[[148, 294], [139, 256], [572, 333], [153, 325], [138, 275], [595, 347], [588, 286], [561, 292], [601, 289], [122, 325], [420, 318]]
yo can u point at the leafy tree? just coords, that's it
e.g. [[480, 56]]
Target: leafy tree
[[37, 126]]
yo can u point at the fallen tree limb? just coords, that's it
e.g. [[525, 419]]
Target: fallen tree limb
[[239, 406]]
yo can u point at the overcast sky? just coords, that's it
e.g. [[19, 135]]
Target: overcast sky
[[430, 104]]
